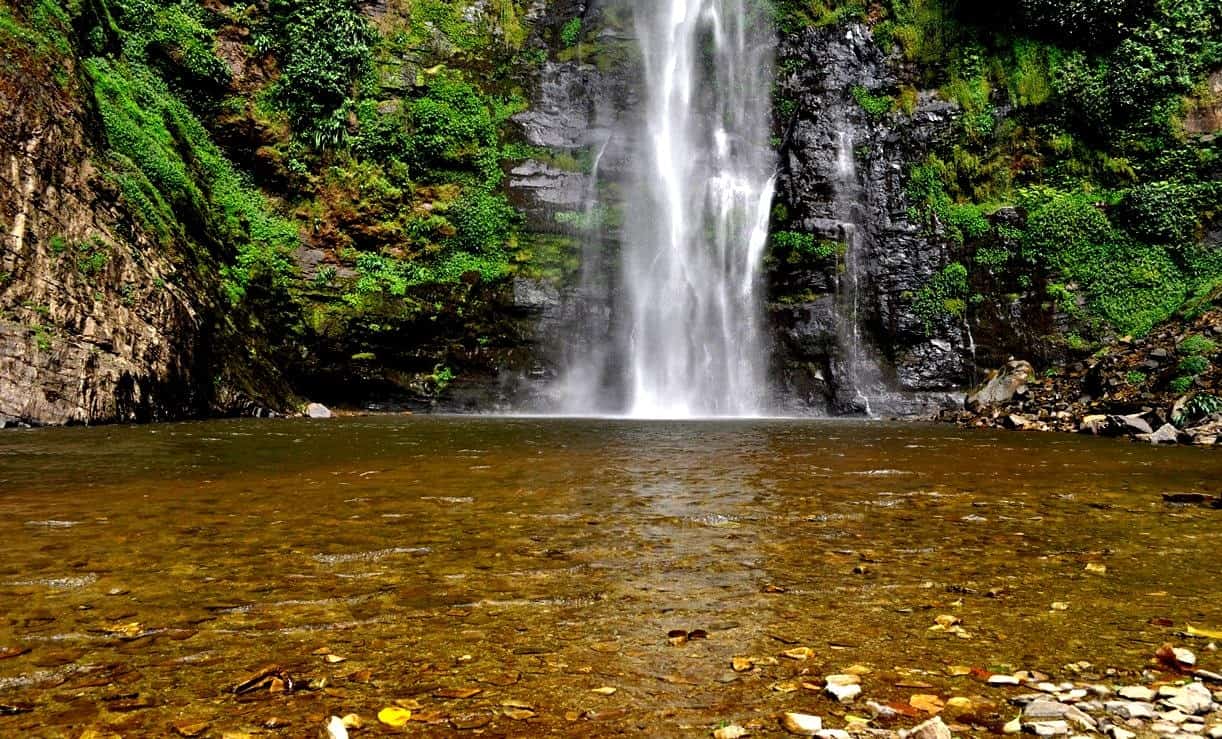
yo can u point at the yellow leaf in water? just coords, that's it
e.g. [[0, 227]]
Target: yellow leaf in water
[[1204, 633], [604, 691], [958, 670], [927, 703], [394, 716], [799, 654]]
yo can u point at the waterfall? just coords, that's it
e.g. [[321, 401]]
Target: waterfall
[[859, 379], [689, 306]]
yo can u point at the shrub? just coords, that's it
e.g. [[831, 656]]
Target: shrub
[[1135, 378], [1194, 365], [1197, 345], [877, 107], [324, 48], [945, 295], [570, 33]]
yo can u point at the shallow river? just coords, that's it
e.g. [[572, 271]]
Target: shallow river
[[149, 570]]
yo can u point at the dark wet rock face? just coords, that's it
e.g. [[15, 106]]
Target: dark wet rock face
[[896, 258]]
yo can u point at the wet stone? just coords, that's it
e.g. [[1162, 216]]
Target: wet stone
[[1130, 709], [1047, 728], [1136, 693]]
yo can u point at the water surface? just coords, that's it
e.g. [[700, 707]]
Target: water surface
[[148, 569]]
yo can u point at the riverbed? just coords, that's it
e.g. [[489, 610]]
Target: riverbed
[[543, 577]]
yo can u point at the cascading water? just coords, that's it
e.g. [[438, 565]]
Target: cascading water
[[859, 377], [695, 226]]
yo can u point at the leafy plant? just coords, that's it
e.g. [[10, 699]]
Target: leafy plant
[[1197, 345], [570, 33]]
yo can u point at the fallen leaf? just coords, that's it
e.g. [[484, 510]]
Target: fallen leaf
[[785, 687], [1203, 633], [927, 703], [1060, 606], [606, 690], [9, 652], [1096, 568], [471, 721], [394, 716], [858, 670], [459, 693], [511, 703], [190, 728], [519, 714], [742, 664], [606, 647], [352, 721], [800, 654], [733, 731], [334, 659], [958, 670]]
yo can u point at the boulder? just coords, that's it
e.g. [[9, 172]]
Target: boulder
[[1003, 385], [317, 410], [934, 728], [1166, 434]]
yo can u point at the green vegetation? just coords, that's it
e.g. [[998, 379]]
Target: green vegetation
[[1093, 150], [877, 107], [795, 247], [1197, 345], [944, 296], [1136, 378], [570, 34]]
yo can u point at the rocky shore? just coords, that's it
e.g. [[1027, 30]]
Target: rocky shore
[[1165, 388], [1173, 700]]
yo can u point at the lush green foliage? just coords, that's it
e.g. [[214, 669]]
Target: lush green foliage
[[945, 295], [876, 107], [1197, 345], [570, 34], [168, 168], [324, 48]]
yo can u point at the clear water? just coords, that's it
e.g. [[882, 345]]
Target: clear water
[[149, 569]]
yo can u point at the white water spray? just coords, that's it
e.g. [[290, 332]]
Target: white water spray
[[697, 223]]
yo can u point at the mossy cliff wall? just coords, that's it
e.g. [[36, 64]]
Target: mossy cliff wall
[[215, 208]]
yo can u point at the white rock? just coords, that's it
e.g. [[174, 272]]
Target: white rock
[[931, 729], [1171, 717], [843, 693], [802, 724], [1184, 656], [1013, 727], [335, 728], [1131, 709], [1216, 732], [317, 410], [833, 734], [1164, 729], [1192, 729], [1048, 728], [1116, 732], [1195, 699], [1003, 680], [733, 731], [1102, 691], [1136, 693]]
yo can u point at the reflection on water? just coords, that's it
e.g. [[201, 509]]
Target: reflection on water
[[148, 569]]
